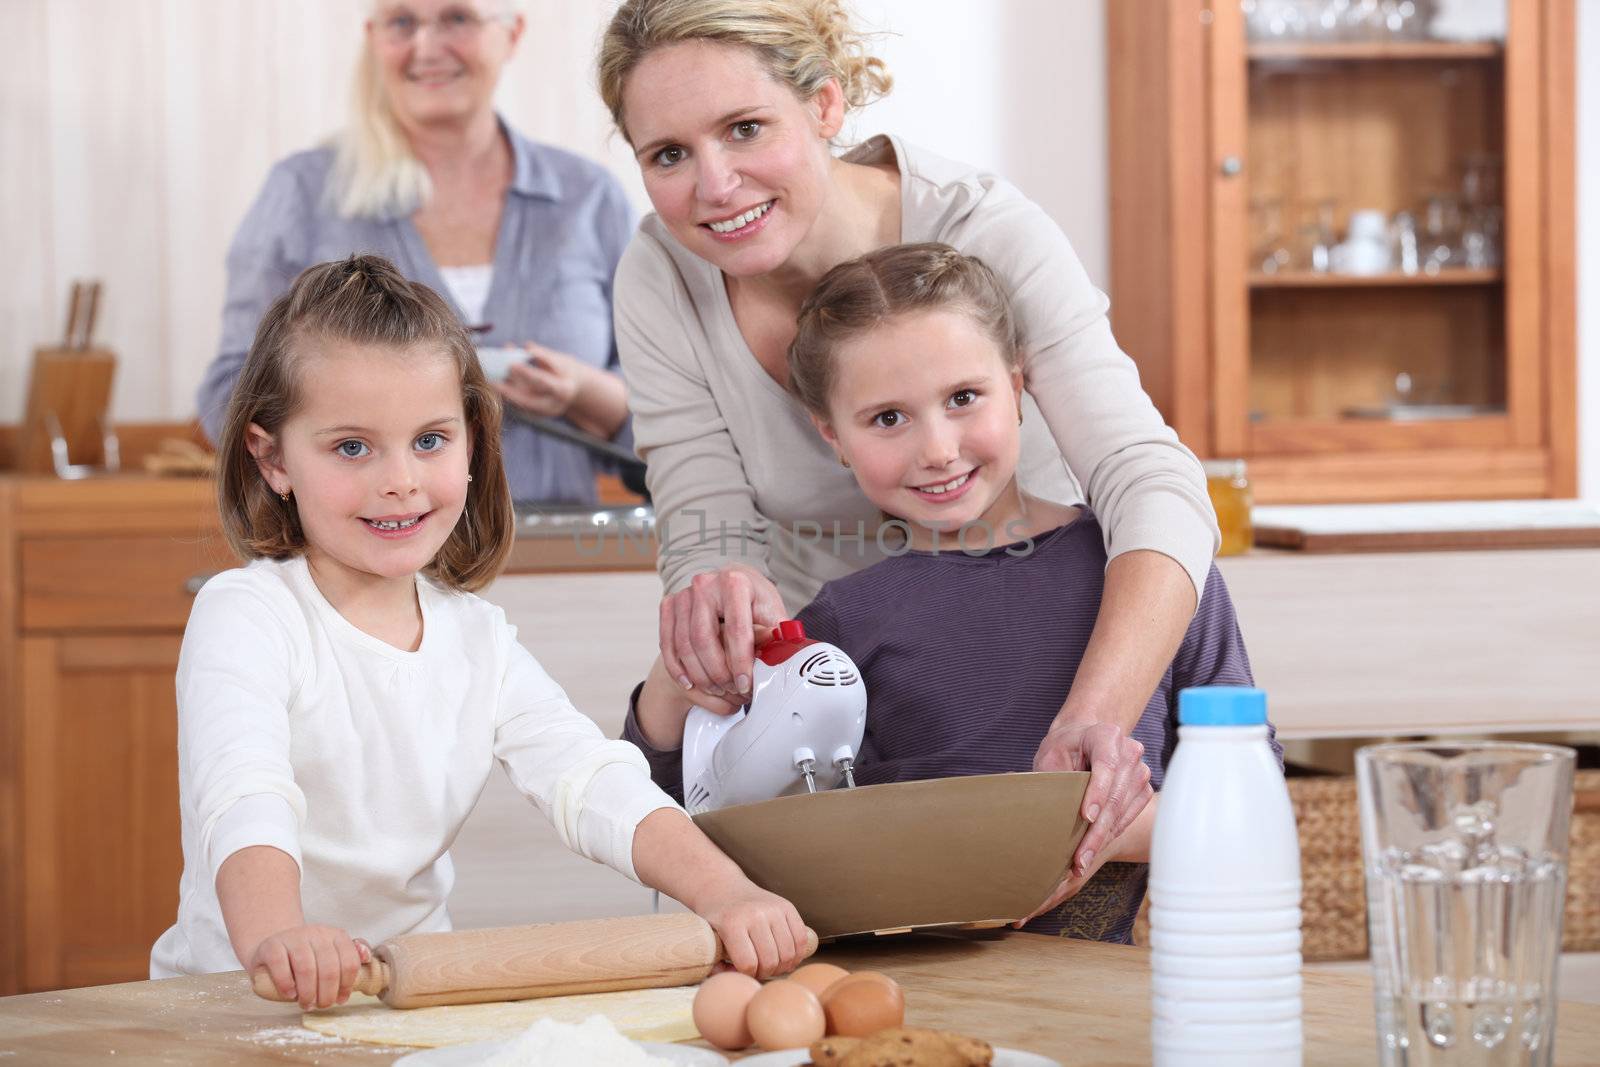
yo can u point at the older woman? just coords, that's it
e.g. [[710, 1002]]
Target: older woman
[[731, 109], [524, 239]]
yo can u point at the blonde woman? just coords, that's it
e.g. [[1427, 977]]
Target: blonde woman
[[731, 107], [522, 238]]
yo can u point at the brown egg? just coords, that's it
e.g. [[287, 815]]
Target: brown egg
[[784, 1014], [863, 1004], [719, 1009], [817, 977]]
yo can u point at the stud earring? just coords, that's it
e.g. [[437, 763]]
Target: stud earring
[[284, 496], [844, 463], [469, 477]]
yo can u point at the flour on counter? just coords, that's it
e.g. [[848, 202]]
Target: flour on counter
[[285, 1036], [641, 1014], [548, 1043]]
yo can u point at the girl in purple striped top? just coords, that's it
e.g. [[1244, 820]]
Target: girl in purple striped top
[[970, 635]]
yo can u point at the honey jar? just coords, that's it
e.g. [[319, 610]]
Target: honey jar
[[1229, 487]]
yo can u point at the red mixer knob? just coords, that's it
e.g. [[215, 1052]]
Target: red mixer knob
[[790, 630]]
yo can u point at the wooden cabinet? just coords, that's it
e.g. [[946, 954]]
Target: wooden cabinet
[[96, 579], [1239, 165]]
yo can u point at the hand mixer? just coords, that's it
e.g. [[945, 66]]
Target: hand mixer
[[803, 725]]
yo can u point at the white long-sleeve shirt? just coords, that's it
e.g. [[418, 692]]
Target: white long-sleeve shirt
[[361, 761]]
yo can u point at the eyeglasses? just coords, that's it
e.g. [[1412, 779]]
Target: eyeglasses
[[451, 26]]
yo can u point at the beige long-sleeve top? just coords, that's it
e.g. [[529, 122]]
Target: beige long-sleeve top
[[738, 473]]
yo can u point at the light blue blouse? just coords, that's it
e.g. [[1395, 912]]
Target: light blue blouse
[[563, 229]]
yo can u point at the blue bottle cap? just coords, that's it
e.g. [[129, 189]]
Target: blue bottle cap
[[1222, 705]]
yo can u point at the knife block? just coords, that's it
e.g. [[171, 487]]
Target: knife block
[[74, 385]]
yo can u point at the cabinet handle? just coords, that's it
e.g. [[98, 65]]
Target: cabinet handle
[[1232, 166], [195, 582]]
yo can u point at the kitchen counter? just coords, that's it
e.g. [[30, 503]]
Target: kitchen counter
[[1365, 644], [1383, 644], [1360, 645], [1080, 1002]]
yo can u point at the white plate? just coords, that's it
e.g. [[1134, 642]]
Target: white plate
[[478, 1051], [1003, 1057], [496, 361]]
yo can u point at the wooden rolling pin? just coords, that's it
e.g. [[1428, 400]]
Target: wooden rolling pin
[[543, 960]]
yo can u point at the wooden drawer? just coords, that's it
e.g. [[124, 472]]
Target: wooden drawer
[[142, 582]]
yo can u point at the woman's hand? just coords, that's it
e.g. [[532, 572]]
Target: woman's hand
[[1119, 781], [546, 384], [559, 386], [708, 633], [762, 933], [315, 965]]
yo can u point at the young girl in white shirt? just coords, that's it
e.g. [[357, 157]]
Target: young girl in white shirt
[[342, 698]]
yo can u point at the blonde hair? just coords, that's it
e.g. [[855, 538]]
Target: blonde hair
[[361, 300], [861, 294], [802, 43], [375, 174]]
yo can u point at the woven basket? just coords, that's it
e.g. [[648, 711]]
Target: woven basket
[[1333, 891], [1581, 930]]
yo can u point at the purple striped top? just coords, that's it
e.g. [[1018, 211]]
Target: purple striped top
[[967, 658]]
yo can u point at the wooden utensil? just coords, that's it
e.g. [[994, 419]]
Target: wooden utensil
[[543, 960], [72, 383], [91, 313]]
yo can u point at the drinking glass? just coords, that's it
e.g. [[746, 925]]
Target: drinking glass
[[1465, 847], [1271, 253], [1228, 485], [1441, 230]]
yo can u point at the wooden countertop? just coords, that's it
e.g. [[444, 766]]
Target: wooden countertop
[[1080, 1002]]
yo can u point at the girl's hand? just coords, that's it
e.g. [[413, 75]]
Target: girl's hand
[[1068, 888], [1119, 781], [708, 633], [315, 965], [663, 708], [1132, 845], [547, 384], [762, 933]]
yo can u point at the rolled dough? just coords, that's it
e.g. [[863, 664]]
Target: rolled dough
[[642, 1014]]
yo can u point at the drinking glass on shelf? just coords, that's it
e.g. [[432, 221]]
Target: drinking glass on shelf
[[1316, 238], [1312, 251], [1481, 247], [1405, 243], [1402, 20], [1441, 228], [1329, 18], [1278, 20], [1270, 252], [1404, 390], [1480, 179], [1363, 20], [1481, 213], [1481, 238]]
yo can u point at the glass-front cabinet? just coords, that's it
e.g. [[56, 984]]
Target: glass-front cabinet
[[1342, 241]]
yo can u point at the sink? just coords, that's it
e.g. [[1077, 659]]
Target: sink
[[567, 520]]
